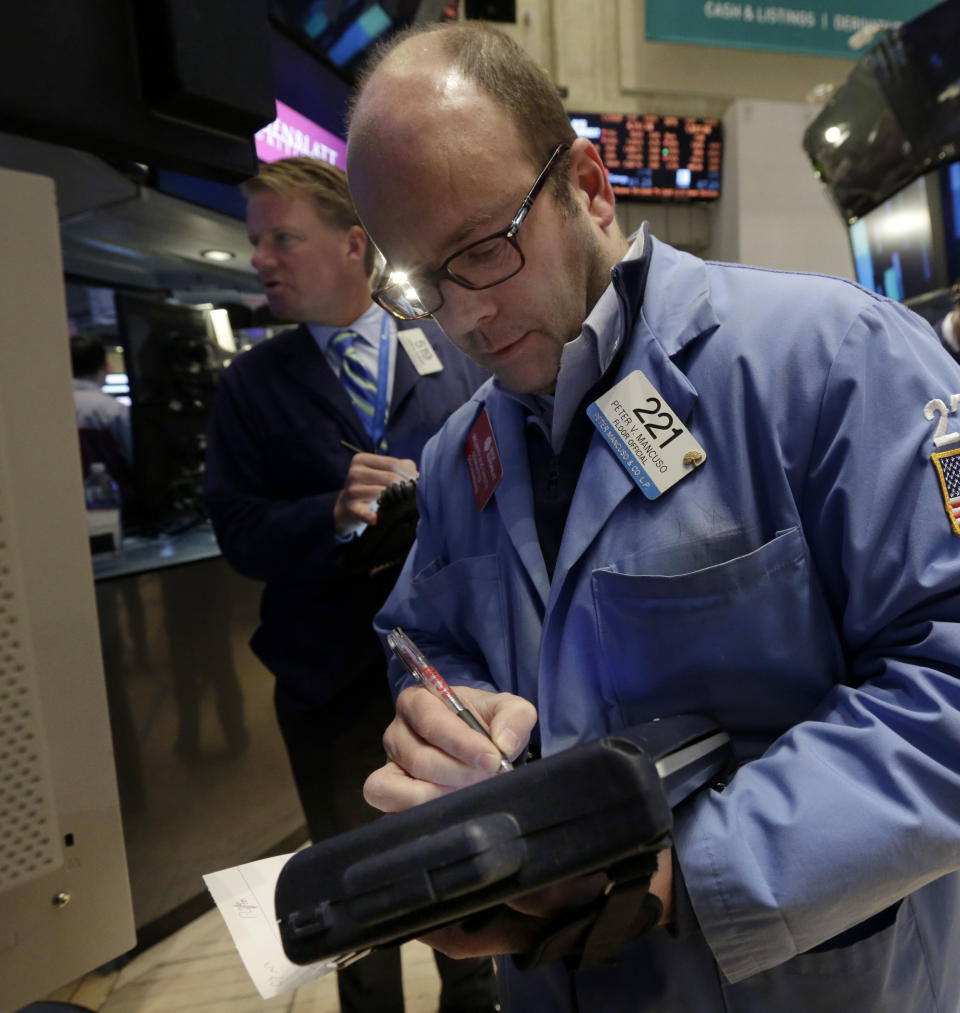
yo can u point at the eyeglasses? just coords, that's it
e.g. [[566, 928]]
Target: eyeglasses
[[482, 264]]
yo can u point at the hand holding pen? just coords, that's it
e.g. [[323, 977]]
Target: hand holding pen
[[417, 665], [369, 474], [393, 464]]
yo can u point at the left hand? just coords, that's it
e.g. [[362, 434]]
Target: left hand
[[367, 477], [517, 926]]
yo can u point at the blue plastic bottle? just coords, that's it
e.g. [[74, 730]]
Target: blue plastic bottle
[[103, 509]]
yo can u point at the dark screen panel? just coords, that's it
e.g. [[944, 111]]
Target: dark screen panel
[[656, 158], [71, 75], [858, 146], [343, 32], [307, 85], [895, 118], [918, 67], [302, 82]]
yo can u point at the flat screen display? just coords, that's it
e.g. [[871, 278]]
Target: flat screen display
[[344, 31], [896, 247], [656, 158], [896, 116]]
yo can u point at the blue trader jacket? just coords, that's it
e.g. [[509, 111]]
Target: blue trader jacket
[[802, 585], [274, 468]]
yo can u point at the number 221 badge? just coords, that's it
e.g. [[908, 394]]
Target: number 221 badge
[[644, 432]]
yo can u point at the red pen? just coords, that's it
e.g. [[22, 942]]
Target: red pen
[[417, 665]]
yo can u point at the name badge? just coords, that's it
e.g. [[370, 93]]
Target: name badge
[[650, 441], [483, 460], [421, 353]]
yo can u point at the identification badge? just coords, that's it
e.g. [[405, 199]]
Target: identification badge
[[419, 350], [483, 460], [651, 443]]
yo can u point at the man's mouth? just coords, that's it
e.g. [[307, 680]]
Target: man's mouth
[[504, 350]]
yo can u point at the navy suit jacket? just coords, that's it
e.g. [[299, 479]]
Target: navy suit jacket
[[274, 468]]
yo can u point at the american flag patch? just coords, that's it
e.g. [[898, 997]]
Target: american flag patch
[[947, 463]]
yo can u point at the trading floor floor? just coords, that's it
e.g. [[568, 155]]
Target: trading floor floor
[[197, 970]]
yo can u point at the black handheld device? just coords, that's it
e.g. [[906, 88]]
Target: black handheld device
[[579, 811]]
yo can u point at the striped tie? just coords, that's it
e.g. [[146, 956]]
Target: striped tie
[[358, 382]]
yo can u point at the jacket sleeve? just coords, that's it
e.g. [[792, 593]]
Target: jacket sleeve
[[262, 535], [774, 863]]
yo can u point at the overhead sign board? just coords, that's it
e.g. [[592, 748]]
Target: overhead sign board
[[821, 28], [292, 134]]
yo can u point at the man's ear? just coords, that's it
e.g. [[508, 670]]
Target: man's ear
[[356, 242], [589, 179]]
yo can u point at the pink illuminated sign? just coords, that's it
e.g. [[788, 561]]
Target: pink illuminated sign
[[292, 134]]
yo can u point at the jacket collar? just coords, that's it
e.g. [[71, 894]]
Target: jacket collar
[[679, 310], [675, 312], [658, 320]]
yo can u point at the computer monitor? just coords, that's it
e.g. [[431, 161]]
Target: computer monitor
[[656, 158], [181, 86], [895, 118], [344, 31], [898, 247]]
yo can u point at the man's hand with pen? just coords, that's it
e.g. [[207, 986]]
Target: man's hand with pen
[[431, 752], [368, 476]]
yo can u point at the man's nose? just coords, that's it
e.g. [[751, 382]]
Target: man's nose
[[261, 257], [465, 309]]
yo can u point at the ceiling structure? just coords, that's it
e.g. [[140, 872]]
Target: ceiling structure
[[117, 231]]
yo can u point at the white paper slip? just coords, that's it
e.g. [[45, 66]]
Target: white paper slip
[[244, 896]]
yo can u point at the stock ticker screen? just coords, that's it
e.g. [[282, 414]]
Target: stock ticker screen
[[656, 158]]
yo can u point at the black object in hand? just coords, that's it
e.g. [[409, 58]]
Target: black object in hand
[[603, 805], [384, 545]]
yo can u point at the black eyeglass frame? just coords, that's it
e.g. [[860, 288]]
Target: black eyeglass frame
[[443, 272]]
